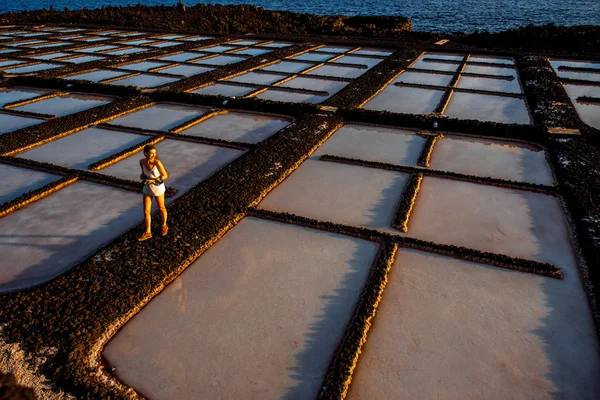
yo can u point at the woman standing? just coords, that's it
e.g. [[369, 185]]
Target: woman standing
[[153, 175]]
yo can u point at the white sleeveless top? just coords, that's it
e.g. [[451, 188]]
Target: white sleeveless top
[[153, 190]]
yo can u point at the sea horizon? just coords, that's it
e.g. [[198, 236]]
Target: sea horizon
[[427, 15]]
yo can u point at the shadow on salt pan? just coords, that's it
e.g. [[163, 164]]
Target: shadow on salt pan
[[51, 235], [508, 110], [258, 315]]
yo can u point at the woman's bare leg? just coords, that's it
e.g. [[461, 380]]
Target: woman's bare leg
[[147, 208], [160, 202]]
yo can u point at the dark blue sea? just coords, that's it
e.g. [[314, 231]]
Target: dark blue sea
[[427, 15]]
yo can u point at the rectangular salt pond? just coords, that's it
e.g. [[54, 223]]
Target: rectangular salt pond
[[64, 105], [188, 163], [9, 123], [165, 44], [373, 143], [473, 331], [492, 158], [289, 96], [334, 49], [340, 193], [365, 51], [83, 148], [488, 218], [252, 52], [490, 84], [443, 56], [257, 78], [83, 59], [225, 90], [50, 56], [589, 113], [277, 44], [18, 181], [142, 65], [182, 57], [186, 70], [258, 315], [338, 72], [404, 99], [435, 66], [480, 69], [508, 110], [137, 42], [352, 59], [217, 49], [494, 60], [32, 68], [287, 66], [424, 78], [8, 63], [160, 117], [312, 56], [329, 86], [97, 76], [122, 52], [144, 81], [10, 95], [239, 127], [51, 235], [221, 60], [96, 49], [245, 42]]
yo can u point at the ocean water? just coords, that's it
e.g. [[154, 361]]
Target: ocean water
[[427, 15]]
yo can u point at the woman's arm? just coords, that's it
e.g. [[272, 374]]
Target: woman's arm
[[161, 169]]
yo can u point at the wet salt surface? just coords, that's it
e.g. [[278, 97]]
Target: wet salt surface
[[9, 123], [481, 107], [17, 94], [18, 181], [280, 95], [220, 60], [209, 332], [144, 81], [352, 59], [302, 82], [239, 127], [403, 99], [32, 68], [51, 235], [64, 105], [287, 66], [313, 56], [490, 84], [160, 117], [338, 72], [181, 57], [424, 78], [371, 143], [488, 158], [188, 163], [142, 66], [340, 193], [83, 59], [433, 326], [225, 90], [488, 218], [186, 70], [97, 76], [589, 113], [257, 78], [83, 148]]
